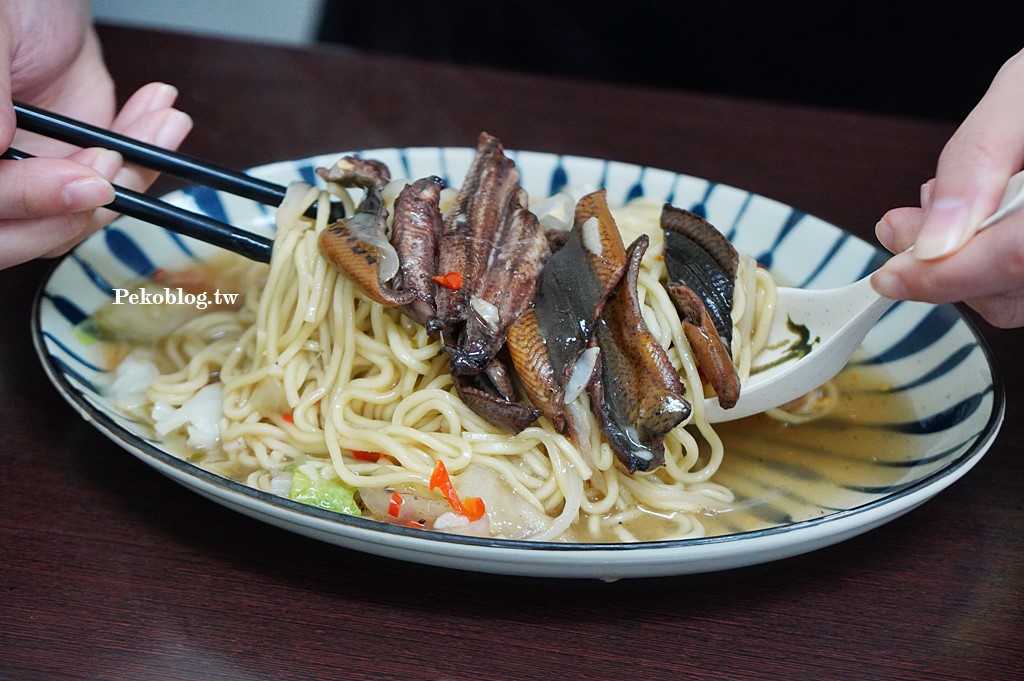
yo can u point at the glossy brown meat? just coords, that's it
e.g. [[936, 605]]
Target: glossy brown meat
[[637, 395], [506, 414], [470, 228], [710, 352], [353, 171], [536, 371], [702, 266], [414, 233], [546, 341], [507, 289], [699, 257], [354, 245]]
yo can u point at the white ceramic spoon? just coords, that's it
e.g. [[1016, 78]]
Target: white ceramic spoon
[[839, 318]]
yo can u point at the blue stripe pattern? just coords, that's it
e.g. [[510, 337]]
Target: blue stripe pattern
[[182, 245], [95, 277], [942, 435], [209, 202], [73, 314], [767, 259], [918, 339], [128, 252], [72, 353]]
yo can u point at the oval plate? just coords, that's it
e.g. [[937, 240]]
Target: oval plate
[[932, 356]]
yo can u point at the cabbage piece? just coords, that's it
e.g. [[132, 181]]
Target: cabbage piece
[[131, 380], [200, 415], [332, 495]]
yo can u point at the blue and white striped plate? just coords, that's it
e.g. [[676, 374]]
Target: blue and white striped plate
[[926, 400]]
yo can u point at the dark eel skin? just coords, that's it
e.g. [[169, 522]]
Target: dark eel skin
[[353, 171], [547, 339], [345, 244], [701, 266], [349, 243], [489, 238], [482, 379], [636, 394], [543, 310], [414, 235], [499, 248], [470, 229], [509, 284], [493, 398]]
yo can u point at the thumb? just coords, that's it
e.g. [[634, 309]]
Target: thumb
[[975, 165]]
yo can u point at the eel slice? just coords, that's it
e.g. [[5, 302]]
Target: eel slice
[[414, 235], [546, 340], [358, 245], [471, 226], [506, 290], [702, 266], [636, 395]]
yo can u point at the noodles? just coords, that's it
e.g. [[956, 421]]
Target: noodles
[[319, 380]]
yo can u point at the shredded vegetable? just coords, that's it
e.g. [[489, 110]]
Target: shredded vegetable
[[332, 495]]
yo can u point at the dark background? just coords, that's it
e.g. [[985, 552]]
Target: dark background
[[917, 59]]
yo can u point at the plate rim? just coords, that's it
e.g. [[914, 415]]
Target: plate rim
[[410, 539]]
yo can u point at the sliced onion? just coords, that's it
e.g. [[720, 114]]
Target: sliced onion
[[556, 211], [508, 514], [578, 412], [387, 257], [387, 261], [582, 370], [453, 523], [591, 229], [486, 311]]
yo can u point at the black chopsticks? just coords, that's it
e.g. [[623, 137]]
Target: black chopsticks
[[160, 213], [180, 165], [180, 221]]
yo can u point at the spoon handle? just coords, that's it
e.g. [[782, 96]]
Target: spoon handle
[[1013, 199]]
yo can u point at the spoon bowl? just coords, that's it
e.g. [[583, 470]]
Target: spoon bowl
[[813, 335], [815, 332]]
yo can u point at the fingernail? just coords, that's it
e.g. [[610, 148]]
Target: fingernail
[[884, 234], [926, 194], [174, 129], [889, 285], [164, 97], [87, 194], [107, 163], [946, 228]]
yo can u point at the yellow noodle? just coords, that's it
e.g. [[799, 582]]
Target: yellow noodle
[[312, 371]]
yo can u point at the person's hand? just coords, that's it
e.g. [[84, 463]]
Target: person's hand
[[50, 56], [950, 261]]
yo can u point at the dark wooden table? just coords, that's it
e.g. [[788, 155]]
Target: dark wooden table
[[111, 571]]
